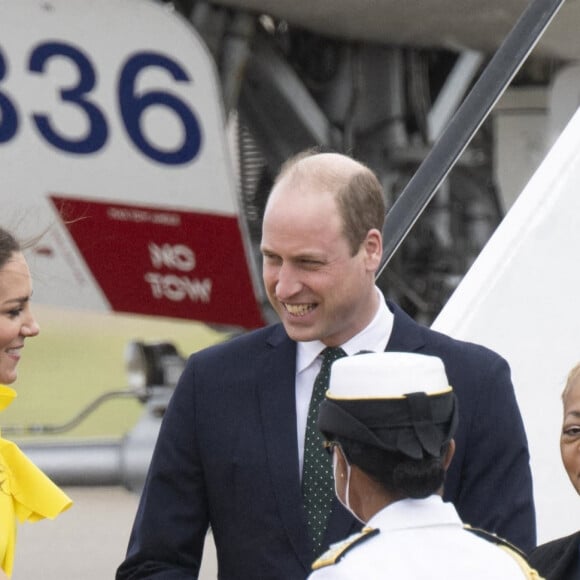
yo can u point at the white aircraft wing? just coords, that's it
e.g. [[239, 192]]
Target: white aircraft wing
[[520, 298], [453, 24]]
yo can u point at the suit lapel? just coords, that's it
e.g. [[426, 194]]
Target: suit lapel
[[406, 335], [276, 394], [277, 399]]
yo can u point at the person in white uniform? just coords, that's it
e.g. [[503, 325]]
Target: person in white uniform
[[388, 419]]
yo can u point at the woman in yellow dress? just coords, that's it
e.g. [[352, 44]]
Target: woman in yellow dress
[[26, 494]]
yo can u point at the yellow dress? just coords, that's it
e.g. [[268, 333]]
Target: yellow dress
[[26, 494]]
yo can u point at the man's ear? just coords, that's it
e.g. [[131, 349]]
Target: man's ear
[[373, 246]]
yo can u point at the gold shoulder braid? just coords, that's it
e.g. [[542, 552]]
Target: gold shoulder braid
[[338, 550], [509, 548]]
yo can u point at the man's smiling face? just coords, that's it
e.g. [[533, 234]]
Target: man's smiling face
[[318, 288]]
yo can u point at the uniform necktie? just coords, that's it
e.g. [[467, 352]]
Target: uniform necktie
[[317, 486]]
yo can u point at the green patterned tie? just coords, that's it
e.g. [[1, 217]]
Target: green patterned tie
[[317, 486]]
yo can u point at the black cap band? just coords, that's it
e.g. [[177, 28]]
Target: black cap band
[[415, 425]]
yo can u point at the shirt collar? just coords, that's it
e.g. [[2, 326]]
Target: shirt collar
[[412, 513], [374, 336]]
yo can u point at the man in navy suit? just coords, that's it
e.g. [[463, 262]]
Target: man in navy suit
[[230, 450]]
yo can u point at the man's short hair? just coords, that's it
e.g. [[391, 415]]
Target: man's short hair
[[359, 195]]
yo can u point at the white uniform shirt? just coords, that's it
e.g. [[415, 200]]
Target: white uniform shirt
[[419, 540]]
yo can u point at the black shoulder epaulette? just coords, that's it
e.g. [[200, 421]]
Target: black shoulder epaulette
[[494, 538], [508, 547], [338, 550]]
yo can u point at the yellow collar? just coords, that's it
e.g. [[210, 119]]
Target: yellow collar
[[7, 395]]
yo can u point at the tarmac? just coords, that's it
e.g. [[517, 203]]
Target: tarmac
[[88, 541]]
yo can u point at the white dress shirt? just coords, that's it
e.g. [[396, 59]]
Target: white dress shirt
[[308, 362]]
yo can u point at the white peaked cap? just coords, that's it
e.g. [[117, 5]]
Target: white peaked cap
[[395, 401], [386, 375]]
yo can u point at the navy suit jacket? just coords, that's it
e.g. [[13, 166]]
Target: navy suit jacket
[[558, 559], [227, 457]]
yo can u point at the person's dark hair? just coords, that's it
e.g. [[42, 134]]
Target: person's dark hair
[[361, 205], [9, 245], [398, 474]]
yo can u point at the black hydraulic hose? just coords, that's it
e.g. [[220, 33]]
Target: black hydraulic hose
[[490, 86], [43, 429]]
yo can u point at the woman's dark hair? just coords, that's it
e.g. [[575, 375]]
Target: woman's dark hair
[[9, 245], [396, 472]]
